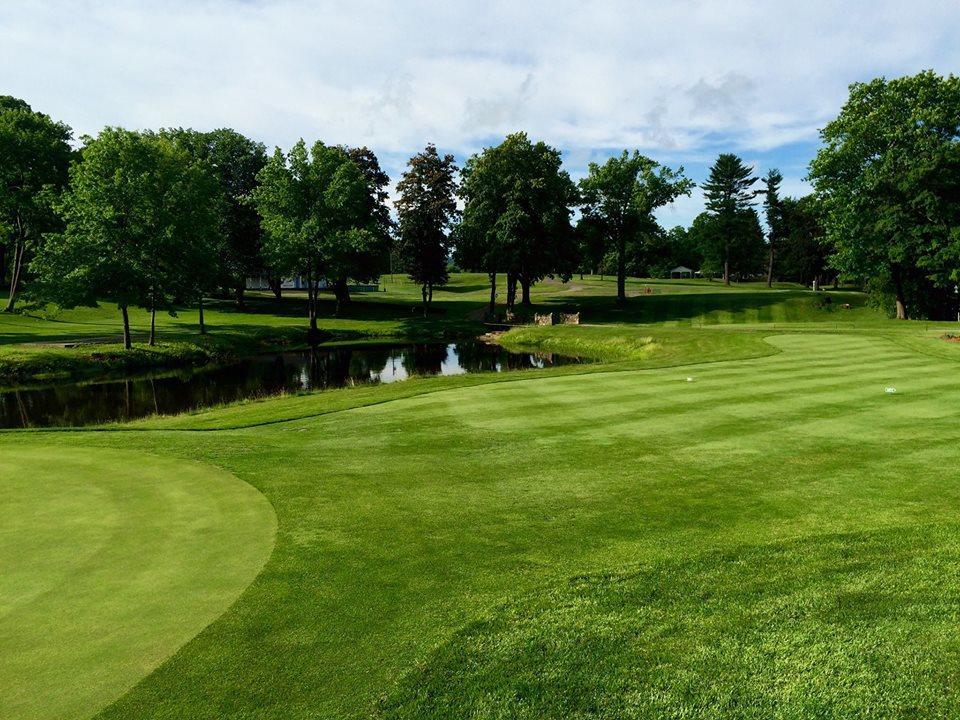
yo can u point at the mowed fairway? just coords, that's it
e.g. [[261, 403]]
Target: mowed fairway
[[109, 561], [775, 537]]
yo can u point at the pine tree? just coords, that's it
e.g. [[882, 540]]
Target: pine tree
[[773, 208], [729, 195]]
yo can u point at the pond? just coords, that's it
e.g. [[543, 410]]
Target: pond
[[261, 376]]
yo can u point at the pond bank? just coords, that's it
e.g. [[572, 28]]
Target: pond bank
[[264, 375]]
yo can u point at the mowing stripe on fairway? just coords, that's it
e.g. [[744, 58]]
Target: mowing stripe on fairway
[[401, 523]]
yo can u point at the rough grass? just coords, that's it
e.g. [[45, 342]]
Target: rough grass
[[582, 341], [821, 627]]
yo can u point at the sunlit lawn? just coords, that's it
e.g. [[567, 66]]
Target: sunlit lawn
[[727, 522]]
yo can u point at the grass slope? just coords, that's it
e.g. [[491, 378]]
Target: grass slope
[[109, 561], [773, 538]]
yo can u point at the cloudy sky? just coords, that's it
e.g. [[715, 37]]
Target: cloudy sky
[[679, 80]]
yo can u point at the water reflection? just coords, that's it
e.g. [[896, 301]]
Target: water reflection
[[260, 376]]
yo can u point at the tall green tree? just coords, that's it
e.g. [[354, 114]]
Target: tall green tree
[[729, 196], [516, 216], [377, 183], [235, 161], [34, 160], [729, 246], [888, 178], [622, 195], [142, 218], [592, 244], [316, 218], [426, 212], [802, 251], [773, 209], [663, 250], [704, 236]]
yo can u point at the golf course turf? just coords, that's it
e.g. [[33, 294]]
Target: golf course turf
[[111, 560], [729, 522]]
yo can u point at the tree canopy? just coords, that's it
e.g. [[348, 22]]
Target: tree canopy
[[773, 210], [888, 179], [729, 197], [516, 216], [34, 160], [802, 250], [316, 216], [621, 196], [142, 220], [426, 211], [235, 161]]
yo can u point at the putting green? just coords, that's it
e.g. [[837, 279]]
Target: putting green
[[109, 562]]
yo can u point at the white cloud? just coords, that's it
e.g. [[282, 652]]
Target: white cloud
[[678, 80]]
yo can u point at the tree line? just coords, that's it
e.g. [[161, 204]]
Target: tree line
[[159, 220]]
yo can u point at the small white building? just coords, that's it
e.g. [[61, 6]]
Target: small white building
[[293, 283], [681, 272]]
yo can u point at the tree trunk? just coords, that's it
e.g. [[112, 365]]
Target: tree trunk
[[153, 326], [239, 294], [511, 290], [430, 293], [525, 288], [900, 298], [15, 276], [312, 308], [621, 271], [423, 294], [342, 293], [127, 398], [493, 294], [726, 264], [770, 269], [126, 328], [276, 284], [203, 328]]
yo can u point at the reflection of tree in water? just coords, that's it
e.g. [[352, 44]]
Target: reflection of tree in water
[[329, 368], [478, 357], [368, 363], [257, 377], [424, 359]]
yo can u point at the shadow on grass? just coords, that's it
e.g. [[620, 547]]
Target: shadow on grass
[[711, 308]]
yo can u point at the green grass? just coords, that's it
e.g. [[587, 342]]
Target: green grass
[[774, 537], [727, 521], [110, 560], [31, 342]]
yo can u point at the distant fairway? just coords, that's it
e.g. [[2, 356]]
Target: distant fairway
[[775, 537], [109, 561]]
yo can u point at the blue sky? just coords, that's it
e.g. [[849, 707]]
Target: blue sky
[[680, 81]]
